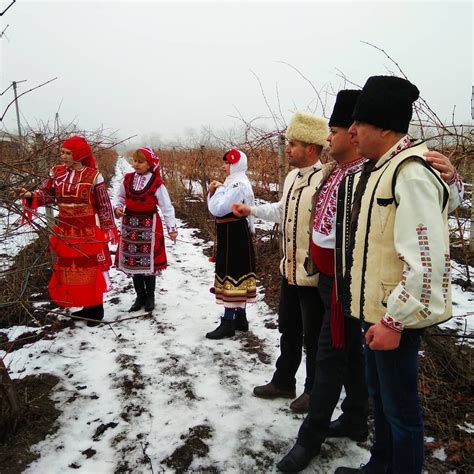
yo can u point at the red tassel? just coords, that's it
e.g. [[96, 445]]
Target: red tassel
[[212, 259], [29, 205]]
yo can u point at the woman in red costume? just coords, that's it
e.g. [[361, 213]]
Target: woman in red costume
[[79, 246], [142, 251]]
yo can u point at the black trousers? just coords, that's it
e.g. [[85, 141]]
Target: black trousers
[[299, 322], [335, 368]]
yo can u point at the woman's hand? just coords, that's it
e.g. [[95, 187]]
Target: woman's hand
[[118, 211], [173, 236], [20, 192], [213, 186]]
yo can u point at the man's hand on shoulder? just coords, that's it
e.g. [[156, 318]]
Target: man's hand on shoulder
[[442, 164]]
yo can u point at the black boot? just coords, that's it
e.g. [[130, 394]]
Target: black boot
[[137, 304], [150, 283], [363, 469], [297, 459], [139, 285], [337, 429], [225, 329], [82, 313], [96, 313], [241, 323]]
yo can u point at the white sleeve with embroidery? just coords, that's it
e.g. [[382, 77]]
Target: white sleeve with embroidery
[[456, 193], [120, 198], [420, 243], [220, 203], [167, 209], [272, 212]]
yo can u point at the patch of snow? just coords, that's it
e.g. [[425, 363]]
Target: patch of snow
[[440, 454], [15, 332], [468, 427]]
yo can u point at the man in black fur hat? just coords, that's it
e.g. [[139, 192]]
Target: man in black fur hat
[[397, 269], [340, 355]]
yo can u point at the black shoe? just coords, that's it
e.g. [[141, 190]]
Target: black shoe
[[241, 323], [96, 313], [349, 470], [138, 304], [82, 313], [338, 429], [297, 459], [150, 302], [225, 329]]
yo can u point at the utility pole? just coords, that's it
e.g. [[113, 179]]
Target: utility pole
[[14, 83], [471, 232]]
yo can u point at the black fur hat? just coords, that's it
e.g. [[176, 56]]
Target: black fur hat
[[344, 108], [386, 102]]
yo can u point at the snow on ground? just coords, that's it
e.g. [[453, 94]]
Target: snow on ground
[[463, 304], [156, 385], [157, 378], [143, 384], [14, 237]]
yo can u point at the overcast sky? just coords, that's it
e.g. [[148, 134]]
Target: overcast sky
[[167, 68]]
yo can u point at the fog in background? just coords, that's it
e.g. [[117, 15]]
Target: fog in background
[[164, 70]]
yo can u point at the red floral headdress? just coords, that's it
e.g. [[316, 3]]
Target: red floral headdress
[[232, 156]]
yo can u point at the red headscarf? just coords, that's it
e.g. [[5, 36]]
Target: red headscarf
[[151, 158], [81, 151]]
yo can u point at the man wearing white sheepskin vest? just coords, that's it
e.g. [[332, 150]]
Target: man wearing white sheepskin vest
[[301, 309], [398, 267]]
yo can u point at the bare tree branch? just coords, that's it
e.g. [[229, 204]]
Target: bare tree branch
[[23, 93], [4, 11], [309, 82]]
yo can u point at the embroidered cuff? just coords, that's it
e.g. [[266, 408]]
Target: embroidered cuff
[[392, 323], [456, 178], [112, 235], [172, 229]]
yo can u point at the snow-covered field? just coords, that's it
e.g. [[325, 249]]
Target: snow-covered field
[[157, 386], [158, 378]]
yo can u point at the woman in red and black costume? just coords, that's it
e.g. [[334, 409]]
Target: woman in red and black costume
[[141, 252], [81, 257]]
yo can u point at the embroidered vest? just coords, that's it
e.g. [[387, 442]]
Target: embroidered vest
[[374, 268], [297, 199], [144, 201]]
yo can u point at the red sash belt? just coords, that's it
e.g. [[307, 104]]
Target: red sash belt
[[225, 220], [324, 261]]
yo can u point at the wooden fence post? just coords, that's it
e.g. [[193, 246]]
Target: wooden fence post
[[282, 166]]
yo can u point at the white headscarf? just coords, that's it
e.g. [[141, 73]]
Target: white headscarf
[[238, 175]]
